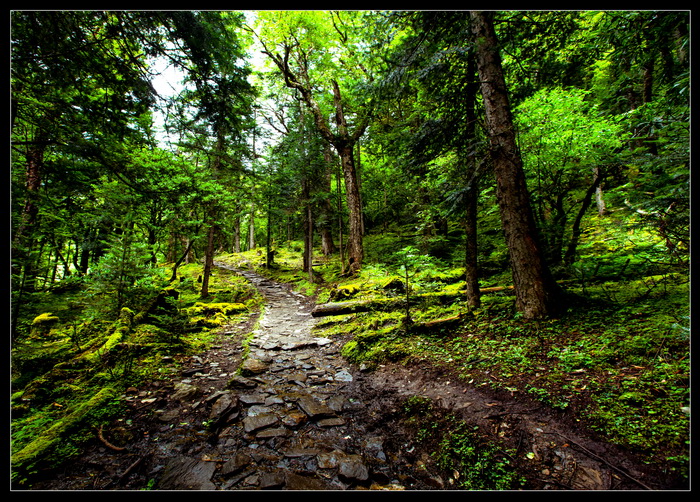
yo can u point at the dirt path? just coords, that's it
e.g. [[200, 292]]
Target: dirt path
[[300, 417]]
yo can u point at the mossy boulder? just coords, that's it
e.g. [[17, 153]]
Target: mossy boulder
[[212, 315], [43, 323], [393, 284], [344, 292]]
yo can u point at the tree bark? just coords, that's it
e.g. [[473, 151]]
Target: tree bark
[[22, 242], [352, 194], [537, 294], [470, 263], [208, 261], [471, 270], [327, 244]]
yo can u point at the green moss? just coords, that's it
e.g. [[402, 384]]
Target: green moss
[[46, 318], [201, 308], [44, 445], [42, 324], [213, 315]]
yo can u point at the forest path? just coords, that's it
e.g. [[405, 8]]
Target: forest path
[[300, 417]]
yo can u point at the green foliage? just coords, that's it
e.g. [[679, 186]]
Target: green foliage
[[459, 449], [51, 444], [96, 205], [124, 275]]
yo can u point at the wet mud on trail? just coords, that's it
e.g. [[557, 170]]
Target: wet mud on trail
[[292, 414]]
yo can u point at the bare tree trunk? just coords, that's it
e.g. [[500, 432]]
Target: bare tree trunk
[[352, 195], [327, 244], [208, 261], [237, 234], [537, 294], [251, 229], [22, 242], [471, 270], [470, 263]]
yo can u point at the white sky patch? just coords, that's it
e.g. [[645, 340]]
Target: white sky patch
[[167, 82]]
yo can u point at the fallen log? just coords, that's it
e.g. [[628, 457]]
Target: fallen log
[[436, 324], [354, 306]]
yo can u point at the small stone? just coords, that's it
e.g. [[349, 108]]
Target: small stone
[[253, 367], [272, 400], [272, 480], [352, 467], [169, 416], [329, 460], [331, 422], [252, 399], [222, 407], [294, 418], [239, 382], [182, 473], [272, 433], [314, 409], [252, 424], [185, 392], [299, 482], [343, 376], [300, 452], [236, 464]]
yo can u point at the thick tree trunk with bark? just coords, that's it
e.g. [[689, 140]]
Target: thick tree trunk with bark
[[22, 241], [327, 245], [537, 294], [352, 194]]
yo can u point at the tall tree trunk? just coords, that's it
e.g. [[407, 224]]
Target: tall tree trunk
[[341, 246], [213, 212], [208, 260], [22, 242], [251, 229], [327, 245], [471, 271], [309, 244], [269, 252], [352, 195], [537, 294], [237, 234], [569, 256]]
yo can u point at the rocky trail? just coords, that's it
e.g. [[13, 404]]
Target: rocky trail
[[299, 417]]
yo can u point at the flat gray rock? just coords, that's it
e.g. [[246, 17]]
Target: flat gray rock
[[184, 473]]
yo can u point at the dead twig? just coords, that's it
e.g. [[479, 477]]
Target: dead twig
[[522, 412], [107, 443], [129, 469], [600, 459]]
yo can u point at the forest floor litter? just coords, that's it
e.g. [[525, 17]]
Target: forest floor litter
[[292, 414]]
